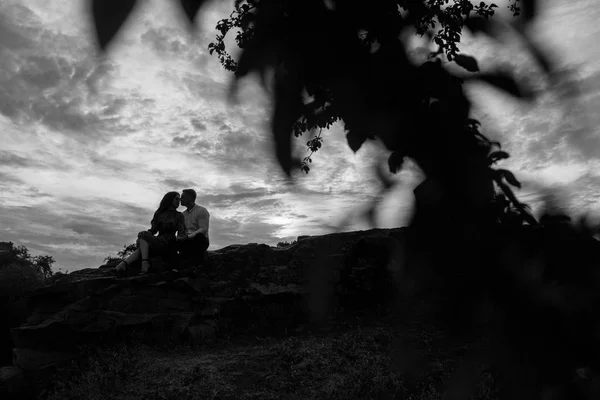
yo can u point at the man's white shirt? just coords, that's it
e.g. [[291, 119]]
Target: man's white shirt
[[196, 220]]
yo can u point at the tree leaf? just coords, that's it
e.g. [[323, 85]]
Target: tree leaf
[[259, 54], [355, 139], [287, 110], [370, 214], [386, 182], [190, 8], [467, 62], [529, 9], [479, 24], [109, 16], [510, 178], [506, 83], [498, 155], [395, 161]]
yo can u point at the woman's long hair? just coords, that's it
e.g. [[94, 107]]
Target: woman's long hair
[[166, 203]]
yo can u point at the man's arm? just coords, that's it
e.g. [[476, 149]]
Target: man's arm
[[203, 221], [180, 227]]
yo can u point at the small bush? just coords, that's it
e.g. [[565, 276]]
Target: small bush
[[99, 374], [286, 244], [17, 279], [16, 282]]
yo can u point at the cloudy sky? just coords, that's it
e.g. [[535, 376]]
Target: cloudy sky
[[89, 146]]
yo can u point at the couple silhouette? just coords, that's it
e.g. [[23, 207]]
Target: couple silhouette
[[172, 232]]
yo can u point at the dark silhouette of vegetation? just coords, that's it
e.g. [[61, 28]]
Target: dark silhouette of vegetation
[[20, 273], [125, 252], [526, 289], [19, 256], [286, 243]]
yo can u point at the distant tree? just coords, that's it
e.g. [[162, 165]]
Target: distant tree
[[122, 254], [20, 274], [21, 257], [127, 250], [286, 243]]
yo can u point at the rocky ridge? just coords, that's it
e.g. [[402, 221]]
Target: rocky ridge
[[241, 289]]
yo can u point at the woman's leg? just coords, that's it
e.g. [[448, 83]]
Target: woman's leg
[[133, 257], [145, 251]]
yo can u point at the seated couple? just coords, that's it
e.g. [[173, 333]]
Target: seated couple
[[172, 231]]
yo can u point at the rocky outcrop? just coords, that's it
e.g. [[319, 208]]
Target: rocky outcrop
[[252, 288]]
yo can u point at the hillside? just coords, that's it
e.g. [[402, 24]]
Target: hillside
[[335, 316], [251, 289]]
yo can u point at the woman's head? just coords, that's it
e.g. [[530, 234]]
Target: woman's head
[[169, 201]]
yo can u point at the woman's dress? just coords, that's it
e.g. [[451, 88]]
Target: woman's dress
[[166, 224]]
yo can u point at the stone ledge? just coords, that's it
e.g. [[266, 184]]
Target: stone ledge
[[241, 289]]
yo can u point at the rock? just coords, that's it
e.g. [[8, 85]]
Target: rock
[[253, 288], [68, 291], [221, 289], [12, 383], [219, 306], [201, 334], [35, 359], [201, 285], [10, 374], [271, 289]]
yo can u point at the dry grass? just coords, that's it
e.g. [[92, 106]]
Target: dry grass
[[345, 365]]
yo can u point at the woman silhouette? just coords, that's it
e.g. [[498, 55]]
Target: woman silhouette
[[166, 222]]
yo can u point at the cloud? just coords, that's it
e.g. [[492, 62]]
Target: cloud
[[52, 79], [237, 194], [77, 234], [164, 40], [6, 178], [178, 184], [16, 192], [87, 226], [198, 124], [231, 231], [204, 88], [183, 140], [226, 144], [9, 159], [175, 43], [580, 117]]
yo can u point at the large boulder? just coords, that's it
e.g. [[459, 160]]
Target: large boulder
[[13, 384]]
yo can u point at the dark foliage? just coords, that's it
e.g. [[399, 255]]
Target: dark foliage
[[108, 17], [21, 257], [122, 254], [286, 244], [20, 273]]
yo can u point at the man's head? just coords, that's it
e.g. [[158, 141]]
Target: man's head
[[188, 197]]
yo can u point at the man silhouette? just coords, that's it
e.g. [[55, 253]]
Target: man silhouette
[[194, 243]]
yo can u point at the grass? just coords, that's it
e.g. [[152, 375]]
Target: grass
[[355, 364]]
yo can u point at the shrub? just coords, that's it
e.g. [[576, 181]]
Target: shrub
[[286, 244], [20, 274], [125, 252], [18, 279]]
